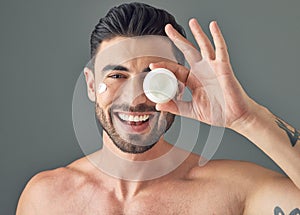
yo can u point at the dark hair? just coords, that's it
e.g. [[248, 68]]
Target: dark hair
[[132, 19]]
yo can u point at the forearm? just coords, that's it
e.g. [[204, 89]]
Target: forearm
[[277, 139]]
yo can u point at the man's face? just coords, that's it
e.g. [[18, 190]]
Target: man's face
[[125, 113]]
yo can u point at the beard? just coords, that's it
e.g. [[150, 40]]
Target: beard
[[134, 143]]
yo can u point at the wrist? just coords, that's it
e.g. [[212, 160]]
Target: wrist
[[255, 118]]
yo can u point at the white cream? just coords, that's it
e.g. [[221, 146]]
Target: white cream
[[101, 88], [160, 85]]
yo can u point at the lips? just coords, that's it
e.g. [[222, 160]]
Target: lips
[[134, 122]]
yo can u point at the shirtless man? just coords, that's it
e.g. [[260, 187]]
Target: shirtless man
[[219, 187]]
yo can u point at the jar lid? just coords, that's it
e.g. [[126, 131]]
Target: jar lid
[[160, 85]]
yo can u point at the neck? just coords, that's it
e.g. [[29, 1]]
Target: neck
[[159, 149], [129, 173], [158, 161]]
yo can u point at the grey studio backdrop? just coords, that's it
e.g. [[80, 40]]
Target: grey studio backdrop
[[45, 44]]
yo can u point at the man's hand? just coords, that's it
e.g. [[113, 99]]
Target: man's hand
[[217, 97]]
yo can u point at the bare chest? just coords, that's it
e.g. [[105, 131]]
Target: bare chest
[[170, 199]]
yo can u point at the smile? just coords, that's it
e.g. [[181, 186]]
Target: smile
[[133, 118], [134, 122]]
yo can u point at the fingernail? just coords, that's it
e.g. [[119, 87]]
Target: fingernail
[[216, 23], [170, 31], [195, 20], [157, 107]]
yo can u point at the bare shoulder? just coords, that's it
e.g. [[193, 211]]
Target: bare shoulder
[[48, 187], [234, 170], [261, 191], [58, 179], [240, 177]]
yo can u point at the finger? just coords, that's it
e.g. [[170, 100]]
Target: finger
[[220, 44], [204, 43], [181, 108], [191, 54]]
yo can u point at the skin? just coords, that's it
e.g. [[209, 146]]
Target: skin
[[219, 187]]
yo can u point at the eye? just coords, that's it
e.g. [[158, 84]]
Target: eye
[[116, 76]]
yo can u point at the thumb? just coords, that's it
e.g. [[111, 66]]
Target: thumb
[[181, 108]]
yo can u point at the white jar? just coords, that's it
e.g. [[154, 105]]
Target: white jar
[[160, 85]]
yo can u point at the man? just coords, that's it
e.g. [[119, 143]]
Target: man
[[133, 128]]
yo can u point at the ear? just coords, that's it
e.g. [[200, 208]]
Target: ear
[[180, 90], [90, 83]]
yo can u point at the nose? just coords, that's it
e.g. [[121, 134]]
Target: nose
[[133, 92]]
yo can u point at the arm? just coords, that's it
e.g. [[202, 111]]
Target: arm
[[218, 99], [276, 138], [38, 195], [272, 194], [29, 197]]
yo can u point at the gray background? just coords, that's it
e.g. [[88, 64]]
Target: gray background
[[45, 44]]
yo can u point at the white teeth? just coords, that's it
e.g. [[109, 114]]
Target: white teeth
[[136, 118], [132, 118]]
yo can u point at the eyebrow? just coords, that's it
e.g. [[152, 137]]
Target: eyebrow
[[121, 68], [114, 67]]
